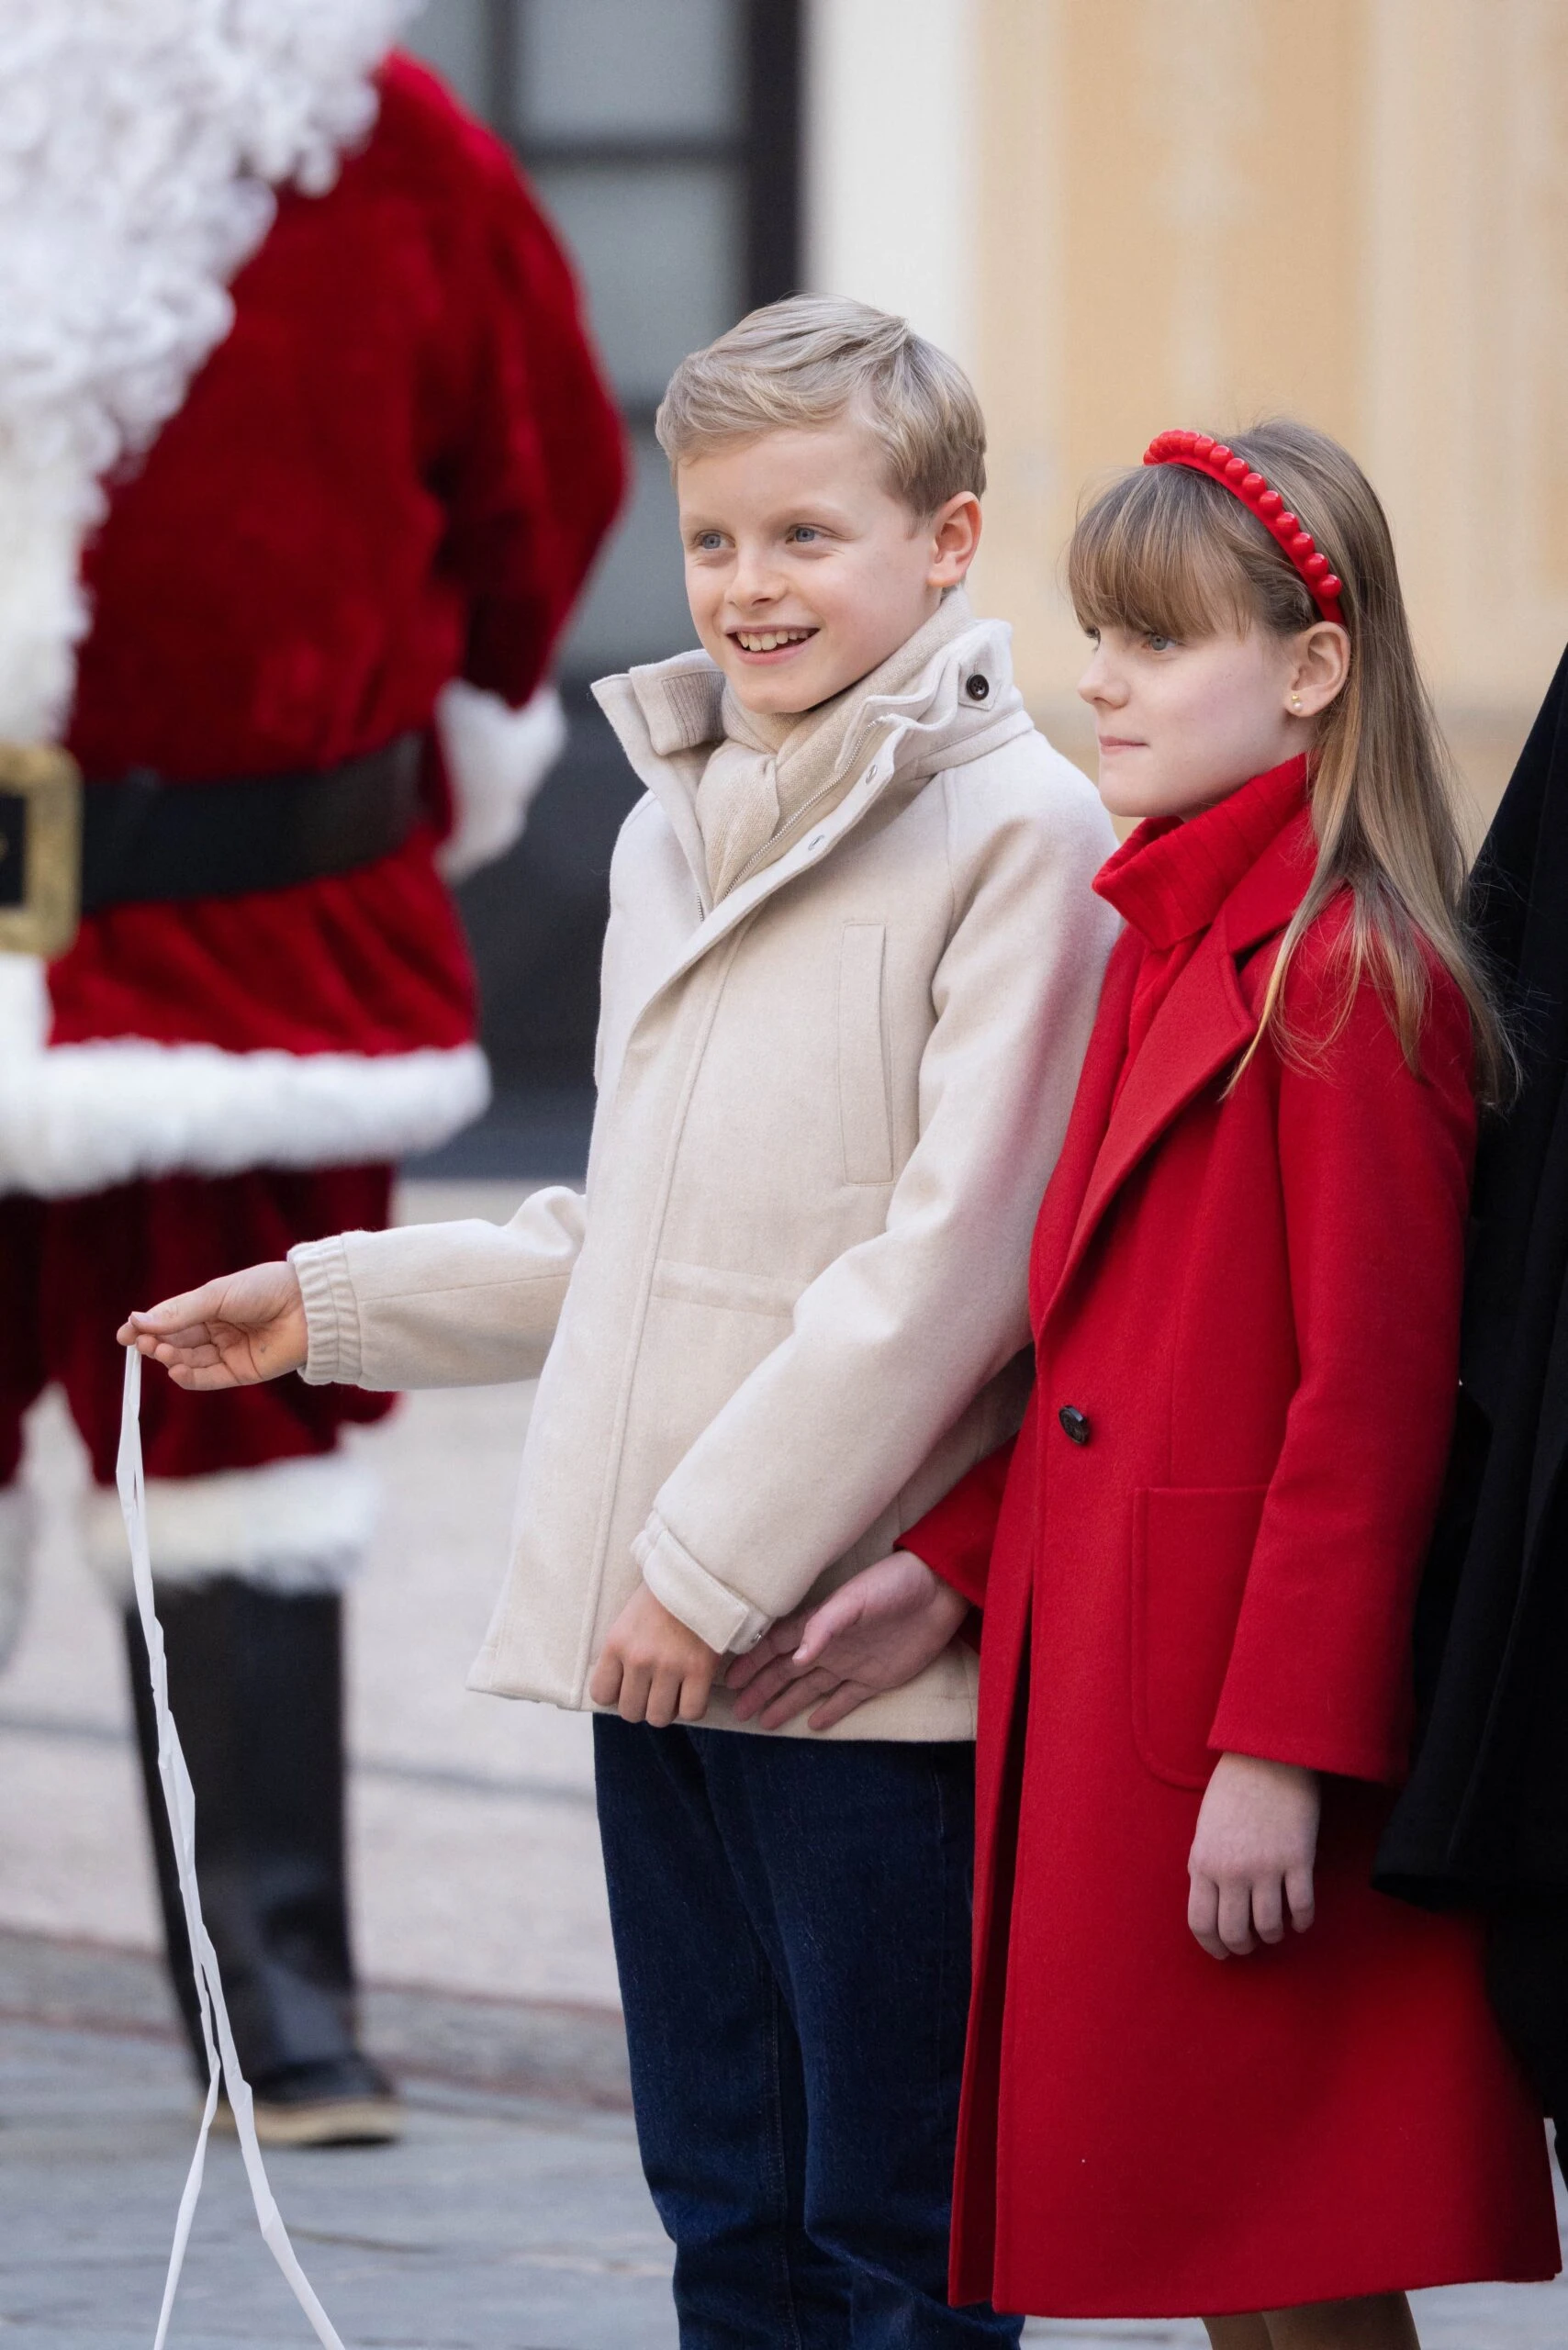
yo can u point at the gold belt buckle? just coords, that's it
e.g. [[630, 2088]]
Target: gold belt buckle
[[41, 848]]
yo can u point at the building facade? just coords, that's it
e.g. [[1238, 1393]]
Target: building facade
[[1140, 213], [1121, 214]]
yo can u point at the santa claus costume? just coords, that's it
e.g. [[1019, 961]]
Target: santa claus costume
[[304, 457]]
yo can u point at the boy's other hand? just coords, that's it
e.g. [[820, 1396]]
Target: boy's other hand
[[653, 1668], [233, 1332], [1253, 1855], [875, 1632]]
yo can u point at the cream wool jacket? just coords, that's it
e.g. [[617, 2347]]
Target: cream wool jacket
[[786, 1314]]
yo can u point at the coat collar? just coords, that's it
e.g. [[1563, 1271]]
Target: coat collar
[[937, 723], [1203, 1025], [1171, 878]]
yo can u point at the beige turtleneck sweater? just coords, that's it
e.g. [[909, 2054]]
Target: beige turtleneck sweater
[[772, 775]]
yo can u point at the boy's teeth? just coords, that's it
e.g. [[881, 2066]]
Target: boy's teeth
[[769, 640]]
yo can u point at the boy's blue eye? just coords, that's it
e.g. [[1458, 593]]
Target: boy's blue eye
[[1159, 644]]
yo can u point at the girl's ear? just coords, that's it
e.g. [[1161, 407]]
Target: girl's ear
[[1319, 670]]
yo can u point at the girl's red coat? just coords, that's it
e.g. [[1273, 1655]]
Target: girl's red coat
[[1251, 1298]]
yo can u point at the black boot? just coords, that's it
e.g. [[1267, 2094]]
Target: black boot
[[255, 1685]]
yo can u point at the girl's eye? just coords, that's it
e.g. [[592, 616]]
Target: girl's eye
[[708, 542], [804, 533]]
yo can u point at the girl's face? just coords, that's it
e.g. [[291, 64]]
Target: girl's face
[[1183, 725]]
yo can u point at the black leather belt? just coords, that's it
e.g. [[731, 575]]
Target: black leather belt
[[144, 840]]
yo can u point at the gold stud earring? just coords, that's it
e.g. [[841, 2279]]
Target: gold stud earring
[[1295, 701]]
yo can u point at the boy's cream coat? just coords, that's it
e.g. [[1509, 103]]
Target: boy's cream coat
[[784, 1319]]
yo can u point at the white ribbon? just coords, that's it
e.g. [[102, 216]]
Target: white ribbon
[[221, 2061]]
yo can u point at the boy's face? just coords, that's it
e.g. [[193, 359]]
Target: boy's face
[[804, 573]]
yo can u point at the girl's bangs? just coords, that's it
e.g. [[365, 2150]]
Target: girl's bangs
[[1150, 557]]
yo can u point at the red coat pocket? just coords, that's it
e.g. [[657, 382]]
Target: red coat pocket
[[1191, 1549]]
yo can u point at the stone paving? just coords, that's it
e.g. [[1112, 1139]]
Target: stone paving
[[498, 2224], [494, 2223]]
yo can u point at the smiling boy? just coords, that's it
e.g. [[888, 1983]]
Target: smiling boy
[[852, 964]]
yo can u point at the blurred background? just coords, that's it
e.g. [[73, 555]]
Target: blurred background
[[1121, 214]]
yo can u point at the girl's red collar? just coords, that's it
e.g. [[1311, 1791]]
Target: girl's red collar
[[1171, 876]]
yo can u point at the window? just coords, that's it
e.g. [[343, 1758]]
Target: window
[[661, 137]]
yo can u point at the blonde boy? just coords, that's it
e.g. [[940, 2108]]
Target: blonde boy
[[851, 967]]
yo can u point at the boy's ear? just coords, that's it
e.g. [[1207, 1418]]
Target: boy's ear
[[954, 531]]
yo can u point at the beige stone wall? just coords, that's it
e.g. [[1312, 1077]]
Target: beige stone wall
[[1196, 211]]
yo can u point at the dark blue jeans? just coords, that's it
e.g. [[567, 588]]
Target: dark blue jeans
[[792, 1922]]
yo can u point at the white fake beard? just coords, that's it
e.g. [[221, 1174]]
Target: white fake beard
[[141, 141]]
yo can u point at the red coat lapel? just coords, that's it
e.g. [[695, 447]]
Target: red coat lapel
[[1065, 1192], [1205, 1024]]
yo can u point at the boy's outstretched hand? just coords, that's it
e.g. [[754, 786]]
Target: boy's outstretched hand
[[1252, 1857], [653, 1668], [875, 1632], [233, 1332]]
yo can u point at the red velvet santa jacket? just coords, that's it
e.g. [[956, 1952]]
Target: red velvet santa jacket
[[1245, 1302], [393, 473]]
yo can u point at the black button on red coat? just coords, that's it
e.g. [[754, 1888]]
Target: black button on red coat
[[1075, 1423]]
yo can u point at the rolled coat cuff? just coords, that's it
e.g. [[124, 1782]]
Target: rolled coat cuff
[[334, 1353], [728, 1623], [956, 1537], [1268, 1734]]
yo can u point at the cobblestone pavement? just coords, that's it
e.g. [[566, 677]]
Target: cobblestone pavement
[[498, 2224]]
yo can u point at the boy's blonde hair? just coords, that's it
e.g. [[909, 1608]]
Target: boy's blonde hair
[[812, 359]]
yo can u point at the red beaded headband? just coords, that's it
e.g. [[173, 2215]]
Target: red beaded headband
[[1233, 473]]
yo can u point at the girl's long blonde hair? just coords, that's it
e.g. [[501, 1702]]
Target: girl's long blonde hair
[[1166, 550]]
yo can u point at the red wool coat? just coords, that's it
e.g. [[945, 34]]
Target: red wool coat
[[1250, 1304]]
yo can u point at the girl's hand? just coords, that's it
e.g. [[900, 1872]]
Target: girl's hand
[[1253, 1855], [233, 1332], [653, 1668], [875, 1632]]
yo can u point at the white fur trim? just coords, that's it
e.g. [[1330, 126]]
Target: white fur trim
[[290, 1525], [497, 758], [24, 1007], [142, 146], [18, 1528], [76, 1118]]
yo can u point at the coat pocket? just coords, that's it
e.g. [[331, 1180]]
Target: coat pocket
[[1191, 1549], [864, 1111]]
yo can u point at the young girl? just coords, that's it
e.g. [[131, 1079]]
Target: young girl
[[1197, 1564]]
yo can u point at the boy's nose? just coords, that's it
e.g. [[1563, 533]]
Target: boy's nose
[[753, 585]]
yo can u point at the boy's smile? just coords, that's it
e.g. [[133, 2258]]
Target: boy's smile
[[770, 646], [803, 571]]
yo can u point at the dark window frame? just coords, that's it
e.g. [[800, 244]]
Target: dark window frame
[[765, 149], [536, 918]]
